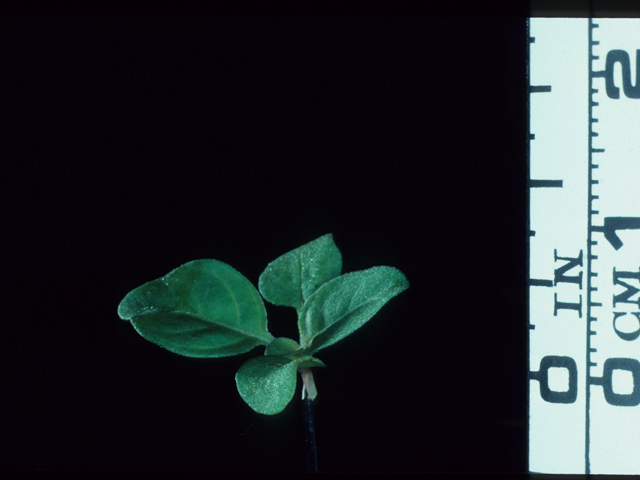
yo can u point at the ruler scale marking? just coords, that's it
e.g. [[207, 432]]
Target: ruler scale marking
[[604, 388]]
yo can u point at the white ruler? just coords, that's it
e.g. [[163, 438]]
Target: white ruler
[[584, 245]]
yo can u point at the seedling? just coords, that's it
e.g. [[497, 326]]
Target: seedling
[[207, 309]]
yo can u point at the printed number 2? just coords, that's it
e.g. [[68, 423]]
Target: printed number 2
[[621, 56]]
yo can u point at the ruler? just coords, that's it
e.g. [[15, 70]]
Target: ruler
[[584, 245]]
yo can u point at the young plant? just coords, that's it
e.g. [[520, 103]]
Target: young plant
[[207, 309]]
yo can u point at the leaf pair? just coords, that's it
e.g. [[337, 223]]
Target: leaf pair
[[330, 306], [206, 308]]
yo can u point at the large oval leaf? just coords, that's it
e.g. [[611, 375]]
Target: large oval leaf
[[204, 308], [293, 277], [344, 304], [268, 383]]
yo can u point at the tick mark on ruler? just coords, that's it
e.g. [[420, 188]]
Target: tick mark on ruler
[[597, 150], [539, 88], [545, 183], [534, 282]]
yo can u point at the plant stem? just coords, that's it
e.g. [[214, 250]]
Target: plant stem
[[312, 455], [309, 389], [308, 394]]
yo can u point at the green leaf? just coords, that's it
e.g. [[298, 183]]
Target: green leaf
[[344, 304], [268, 383], [293, 277], [310, 362], [203, 308], [282, 346]]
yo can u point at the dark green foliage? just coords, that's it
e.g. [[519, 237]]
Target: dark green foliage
[[206, 308]]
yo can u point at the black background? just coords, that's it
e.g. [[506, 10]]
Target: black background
[[138, 144]]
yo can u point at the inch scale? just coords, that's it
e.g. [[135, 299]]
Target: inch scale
[[584, 245]]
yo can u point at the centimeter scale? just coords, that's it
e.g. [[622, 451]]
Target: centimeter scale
[[584, 245]]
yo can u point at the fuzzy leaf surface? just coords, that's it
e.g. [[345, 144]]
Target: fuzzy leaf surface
[[267, 383], [310, 362], [203, 308], [282, 346], [344, 304], [293, 277]]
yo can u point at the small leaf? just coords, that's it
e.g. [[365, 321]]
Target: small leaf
[[344, 304], [203, 308], [268, 383], [293, 277], [310, 362], [282, 346]]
